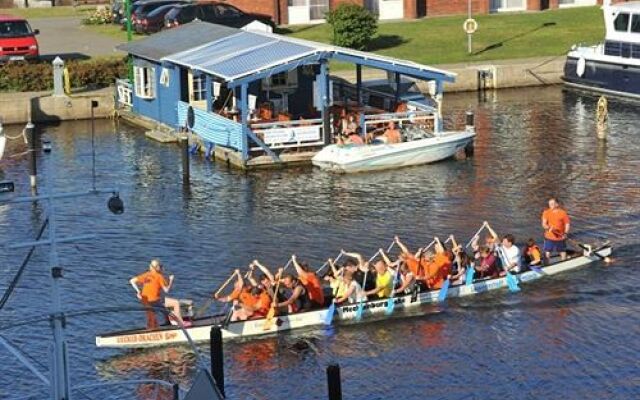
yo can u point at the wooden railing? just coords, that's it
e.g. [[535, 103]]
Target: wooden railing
[[124, 92], [289, 134]]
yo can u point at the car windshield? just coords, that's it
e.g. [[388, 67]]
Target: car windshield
[[14, 29], [161, 10]]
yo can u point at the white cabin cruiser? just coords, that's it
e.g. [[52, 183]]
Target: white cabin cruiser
[[611, 67]]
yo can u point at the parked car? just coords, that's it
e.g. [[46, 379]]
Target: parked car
[[17, 39], [217, 13], [153, 21], [118, 10]]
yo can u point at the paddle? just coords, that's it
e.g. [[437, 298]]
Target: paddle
[[268, 322], [323, 266], [390, 302], [207, 304], [442, 295], [536, 269], [512, 282], [589, 250], [360, 308], [328, 318], [484, 225], [468, 280]]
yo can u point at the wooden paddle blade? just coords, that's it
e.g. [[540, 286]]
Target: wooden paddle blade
[[268, 322]]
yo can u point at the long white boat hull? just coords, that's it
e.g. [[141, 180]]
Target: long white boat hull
[[348, 159], [200, 332]]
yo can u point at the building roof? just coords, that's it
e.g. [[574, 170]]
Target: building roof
[[239, 56], [175, 40]]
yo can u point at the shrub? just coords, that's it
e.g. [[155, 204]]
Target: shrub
[[38, 76], [101, 16], [353, 26]]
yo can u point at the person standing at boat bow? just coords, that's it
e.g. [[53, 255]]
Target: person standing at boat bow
[[154, 287], [556, 224]]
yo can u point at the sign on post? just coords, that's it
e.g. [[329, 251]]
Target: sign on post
[[470, 26]]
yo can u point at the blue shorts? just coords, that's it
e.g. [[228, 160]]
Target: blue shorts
[[554, 246]]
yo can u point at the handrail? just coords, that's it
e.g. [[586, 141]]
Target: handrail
[[284, 124]]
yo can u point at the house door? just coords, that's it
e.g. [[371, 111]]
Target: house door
[[197, 91]]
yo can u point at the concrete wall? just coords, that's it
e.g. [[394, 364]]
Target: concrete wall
[[18, 108], [505, 74]]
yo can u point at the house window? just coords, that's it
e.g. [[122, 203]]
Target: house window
[[199, 88], [145, 82], [621, 23], [279, 79]]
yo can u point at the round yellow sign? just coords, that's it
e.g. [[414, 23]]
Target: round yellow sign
[[470, 26]]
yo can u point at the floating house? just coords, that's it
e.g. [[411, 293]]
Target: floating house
[[257, 98]]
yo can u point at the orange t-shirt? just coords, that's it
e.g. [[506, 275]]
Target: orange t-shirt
[[413, 264], [436, 272], [152, 283], [311, 282], [247, 299], [235, 295], [263, 303], [557, 219]]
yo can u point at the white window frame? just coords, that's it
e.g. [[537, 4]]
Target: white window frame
[[144, 82], [199, 88]]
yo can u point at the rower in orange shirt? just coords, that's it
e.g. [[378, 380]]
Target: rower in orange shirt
[[556, 223], [436, 270], [310, 282]]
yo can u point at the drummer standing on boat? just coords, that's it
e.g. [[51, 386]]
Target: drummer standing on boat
[[555, 222], [154, 286]]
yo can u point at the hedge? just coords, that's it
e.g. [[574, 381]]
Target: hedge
[[38, 76]]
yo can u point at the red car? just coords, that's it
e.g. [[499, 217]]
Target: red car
[[17, 39]]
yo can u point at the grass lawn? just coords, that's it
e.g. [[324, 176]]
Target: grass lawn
[[499, 36], [51, 12]]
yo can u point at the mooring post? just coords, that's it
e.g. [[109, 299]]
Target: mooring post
[[58, 77], [333, 380], [184, 147], [217, 358], [176, 391], [30, 132]]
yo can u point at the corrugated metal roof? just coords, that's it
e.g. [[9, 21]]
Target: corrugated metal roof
[[241, 54], [176, 40]]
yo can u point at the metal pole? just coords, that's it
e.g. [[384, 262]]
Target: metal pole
[[127, 5], [469, 34], [333, 380], [217, 357], [30, 131], [59, 371], [184, 147]]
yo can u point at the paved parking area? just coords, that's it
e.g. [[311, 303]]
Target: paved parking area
[[68, 38]]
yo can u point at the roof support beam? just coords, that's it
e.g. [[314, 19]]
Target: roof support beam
[[389, 66]]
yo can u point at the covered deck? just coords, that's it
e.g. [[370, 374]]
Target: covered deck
[[264, 99]]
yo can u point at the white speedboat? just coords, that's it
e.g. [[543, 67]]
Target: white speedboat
[[612, 67], [371, 310], [352, 158]]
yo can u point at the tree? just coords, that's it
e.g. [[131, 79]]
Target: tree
[[353, 26]]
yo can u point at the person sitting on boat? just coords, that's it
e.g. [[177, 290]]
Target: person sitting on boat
[[295, 294], [335, 279], [266, 279], [392, 134], [359, 270], [352, 292], [154, 287], [244, 302], [310, 282], [349, 125], [532, 254], [510, 255], [262, 302], [407, 280], [556, 223], [384, 281], [436, 267], [460, 263], [485, 265]]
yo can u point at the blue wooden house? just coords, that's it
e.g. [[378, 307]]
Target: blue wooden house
[[261, 96]]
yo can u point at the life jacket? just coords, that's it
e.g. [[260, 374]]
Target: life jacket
[[313, 288]]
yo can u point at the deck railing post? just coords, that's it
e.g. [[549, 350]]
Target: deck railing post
[[333, 381], [217, 357], [326, 124], [30, 132]]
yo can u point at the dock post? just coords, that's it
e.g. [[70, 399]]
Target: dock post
[[30, 132], [217, 357], [333, 381], [184, 147], [176, 391]]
